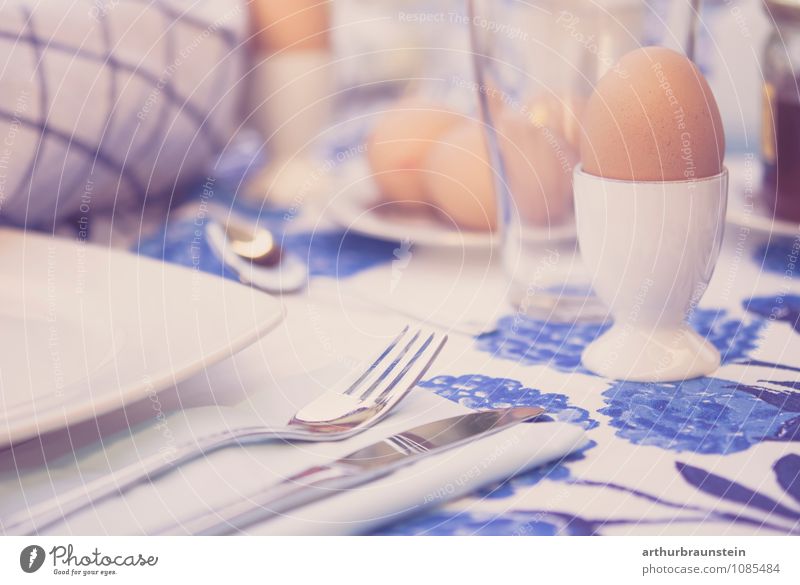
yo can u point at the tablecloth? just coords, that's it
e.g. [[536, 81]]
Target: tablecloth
[[713, 455]]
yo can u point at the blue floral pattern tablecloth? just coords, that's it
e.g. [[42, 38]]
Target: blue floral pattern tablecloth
[[714, 455]]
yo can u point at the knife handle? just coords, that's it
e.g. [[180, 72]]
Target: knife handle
[[310, 485]]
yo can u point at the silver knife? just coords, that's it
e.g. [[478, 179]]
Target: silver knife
[[358, 468]]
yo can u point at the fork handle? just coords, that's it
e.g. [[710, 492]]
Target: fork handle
[[54, 510]]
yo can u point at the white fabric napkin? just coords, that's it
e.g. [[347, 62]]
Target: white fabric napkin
[[430, 482]]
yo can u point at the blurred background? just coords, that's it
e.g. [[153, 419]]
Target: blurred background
[[383, 43]]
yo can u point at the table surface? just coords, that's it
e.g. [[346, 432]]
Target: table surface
[[714, 455]]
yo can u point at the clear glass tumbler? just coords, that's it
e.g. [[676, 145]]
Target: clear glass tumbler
[[536, 62]]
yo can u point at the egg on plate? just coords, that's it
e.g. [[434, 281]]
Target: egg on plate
[[400, 142]]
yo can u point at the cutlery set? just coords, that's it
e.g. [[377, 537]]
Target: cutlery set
[[336, 415], [358, 468]]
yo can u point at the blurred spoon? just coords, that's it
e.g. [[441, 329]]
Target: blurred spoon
[[258, 246], [253, 253]]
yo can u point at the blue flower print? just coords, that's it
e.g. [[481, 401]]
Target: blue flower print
[[527, 523], [480, 392], [704, 415], [554, 471], [330, 253], [559, 345], [779, 256], [787, 473], [784, 308], [536, 341], [339, 253], [733, 338], [782, 517], [786, 400], [185, 244]]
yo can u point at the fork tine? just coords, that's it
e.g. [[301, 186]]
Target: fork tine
[[394, 389], [377, 362], [382, 376], [408, 365]]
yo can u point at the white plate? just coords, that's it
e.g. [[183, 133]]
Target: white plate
[[362, 212], [84, 330], [357, 207], [743, 204]]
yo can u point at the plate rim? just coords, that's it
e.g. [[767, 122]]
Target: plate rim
[[341, 213]]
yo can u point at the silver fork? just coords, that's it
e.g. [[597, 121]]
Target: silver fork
[[331, 417]]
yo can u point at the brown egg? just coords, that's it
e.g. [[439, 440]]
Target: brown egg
[[400, 142], [458, 178], [538, 163], [653, 118]]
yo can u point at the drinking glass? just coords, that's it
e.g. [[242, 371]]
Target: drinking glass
[[536, 63]]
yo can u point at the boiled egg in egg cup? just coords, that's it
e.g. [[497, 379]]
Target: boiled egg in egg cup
[[650, 201]]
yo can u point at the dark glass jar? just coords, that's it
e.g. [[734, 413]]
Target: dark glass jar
[[780, 144]]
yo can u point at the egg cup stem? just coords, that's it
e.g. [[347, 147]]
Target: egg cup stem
[[651, 248]]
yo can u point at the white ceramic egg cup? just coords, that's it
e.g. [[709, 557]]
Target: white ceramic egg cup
[[650, 248]]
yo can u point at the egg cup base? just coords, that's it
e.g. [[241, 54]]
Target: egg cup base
[[641, 355]]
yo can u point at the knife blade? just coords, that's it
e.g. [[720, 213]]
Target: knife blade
[[358, 468]]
